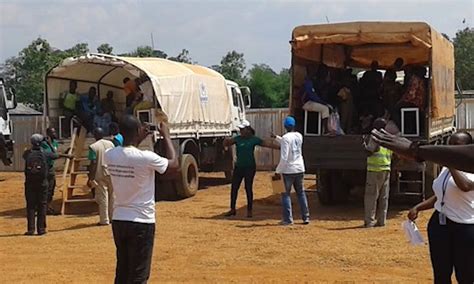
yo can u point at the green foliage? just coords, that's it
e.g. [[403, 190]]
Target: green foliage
[[183, 56], [105, 48], [146, 51], [232, 66], [269, 89], [464, 57]]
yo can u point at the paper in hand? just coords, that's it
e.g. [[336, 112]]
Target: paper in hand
[[412, 233]]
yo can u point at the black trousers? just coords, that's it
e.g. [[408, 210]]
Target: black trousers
[[36, 195], [451, 245], [51, 186], [134, 249], [246, 174]]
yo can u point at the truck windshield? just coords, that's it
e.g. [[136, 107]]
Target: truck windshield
[[3, 106]]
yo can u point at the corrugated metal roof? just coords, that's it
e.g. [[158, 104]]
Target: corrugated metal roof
[[22, 109]]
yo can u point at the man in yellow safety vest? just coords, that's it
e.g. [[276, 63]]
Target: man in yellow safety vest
[[377, 186]]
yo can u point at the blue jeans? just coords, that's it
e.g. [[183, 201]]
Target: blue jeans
[[295, 180]]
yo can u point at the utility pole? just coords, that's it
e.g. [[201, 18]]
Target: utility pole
[[152, 42]]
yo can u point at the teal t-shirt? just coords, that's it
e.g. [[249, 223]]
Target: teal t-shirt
[[51, 150], [245, 151]]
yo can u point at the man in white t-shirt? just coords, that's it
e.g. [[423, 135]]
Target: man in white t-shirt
[[292, 168], [133, 177]]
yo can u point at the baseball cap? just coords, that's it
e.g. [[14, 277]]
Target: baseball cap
[[244, 123], [36, 139], [289, 122]]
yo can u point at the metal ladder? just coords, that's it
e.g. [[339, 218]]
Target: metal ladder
[[72, 171]]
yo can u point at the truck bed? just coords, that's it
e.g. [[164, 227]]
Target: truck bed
[[339, 152]]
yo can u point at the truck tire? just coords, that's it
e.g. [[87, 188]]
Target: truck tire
[[187, 182], [324, 192]]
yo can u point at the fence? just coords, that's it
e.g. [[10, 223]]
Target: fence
[[265, 121], [465, 114]]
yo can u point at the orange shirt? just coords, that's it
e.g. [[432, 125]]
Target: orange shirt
[[130, 87]]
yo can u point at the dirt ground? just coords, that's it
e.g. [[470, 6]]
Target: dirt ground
[[195, 243]]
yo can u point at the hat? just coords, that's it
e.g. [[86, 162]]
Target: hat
[[36, 139], [245, 123], [289, 122]]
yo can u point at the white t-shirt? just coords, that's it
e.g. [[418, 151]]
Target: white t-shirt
[[458, 205], [133, 178], [291, 158]]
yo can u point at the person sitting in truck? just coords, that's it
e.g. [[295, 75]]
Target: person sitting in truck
[[108, 105], [414, 95], [69, 103], [130, 88], [88, 107], [312, 101], [245, 166], [391, 91]]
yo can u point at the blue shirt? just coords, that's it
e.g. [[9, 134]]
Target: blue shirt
[[310, 93]]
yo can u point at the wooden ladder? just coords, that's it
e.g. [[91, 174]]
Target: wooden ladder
[[72, 170]]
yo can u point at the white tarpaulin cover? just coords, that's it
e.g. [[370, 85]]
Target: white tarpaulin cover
[[194, 98]]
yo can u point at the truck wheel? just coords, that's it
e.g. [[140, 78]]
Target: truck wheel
[[188, 182], [324, 192]]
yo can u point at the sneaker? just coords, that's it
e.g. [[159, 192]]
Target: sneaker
[[29, 233], [306, 222], [284, 223], [102, 224], [379, 225], [40, 233], [369, 225]]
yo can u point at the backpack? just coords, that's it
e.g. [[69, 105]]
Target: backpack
[[36, 166]]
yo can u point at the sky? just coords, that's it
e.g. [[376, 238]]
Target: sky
[[208, 29]]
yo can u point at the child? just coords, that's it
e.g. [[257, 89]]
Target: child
[[377, 186], [36, 186]]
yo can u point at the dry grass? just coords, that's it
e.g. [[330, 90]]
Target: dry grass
[[195, 243]]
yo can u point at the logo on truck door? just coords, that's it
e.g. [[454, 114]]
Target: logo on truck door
[[203, 93]]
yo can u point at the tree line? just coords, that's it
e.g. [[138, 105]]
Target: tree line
[[25, 72]]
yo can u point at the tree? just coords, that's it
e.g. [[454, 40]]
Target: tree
[[233, 66], [183, 56], [464, 57], [269, 89], [77, 50], [105, 48], [146, 51], [26, 72]]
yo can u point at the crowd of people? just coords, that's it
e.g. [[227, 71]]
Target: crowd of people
[[124, 180], [359, 103], [88, 109]]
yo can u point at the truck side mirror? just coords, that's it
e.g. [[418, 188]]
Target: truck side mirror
[[11, 99], [246, 97]]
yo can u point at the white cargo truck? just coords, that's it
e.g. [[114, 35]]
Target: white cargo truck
[[202, 108], [7, 102]]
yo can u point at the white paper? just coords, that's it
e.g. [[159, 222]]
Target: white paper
[[412, 233]]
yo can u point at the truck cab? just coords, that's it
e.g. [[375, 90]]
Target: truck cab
[[7, 102], [240, 98]]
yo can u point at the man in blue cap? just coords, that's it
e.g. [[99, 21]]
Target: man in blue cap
[[292, 168]]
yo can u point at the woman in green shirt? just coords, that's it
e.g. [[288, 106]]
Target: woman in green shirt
[[245, 166]]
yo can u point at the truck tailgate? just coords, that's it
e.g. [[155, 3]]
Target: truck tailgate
[[340, 152]]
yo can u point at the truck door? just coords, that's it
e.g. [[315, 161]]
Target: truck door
[[238, 112]]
